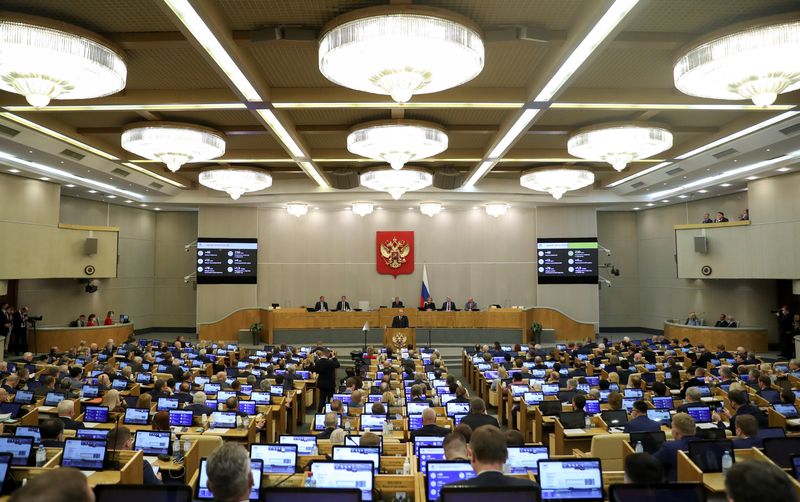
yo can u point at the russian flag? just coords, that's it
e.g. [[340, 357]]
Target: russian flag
[[426, 290]]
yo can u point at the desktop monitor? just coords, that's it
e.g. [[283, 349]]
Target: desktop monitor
[[351, 474], [707, 453], [428, 453], [136, 416], [571, 480], [306, 443], [780, 450], [347, 453], [524, 459], [440, 473], [277, 458], [84, 454], [97, 414], [659, 492], [203, 492], [137, 493], [153, 442], [282, 494]]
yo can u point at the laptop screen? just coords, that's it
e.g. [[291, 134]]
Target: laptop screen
[[89, 391], [136, 416], [661, 416], [350, 474], [23, 397], [144, 378], [701, 414], [533, 398], [428, 453], [417, 408], [53, 398], [224, 395], [571, 479], [524, 459], [211, 388], [319, 421], [667, 492], [119, 384], [629, 392], [204, 493], [180, 418], [260, 397], [457, 408], [18, 446], [445, 472], [5, 463], [370, 453], [224, 419], [707, 454], [97, 414], [152, 442], [787, 410], [414, 422], [92, 433], [28, 431], [421, 441], [277, 458], [84, 454], [167, 403], [663, 403], [305, 444], [592, 406], [248, 407], [372, 422]]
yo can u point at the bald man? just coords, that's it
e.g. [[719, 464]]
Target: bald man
[[429, 427]]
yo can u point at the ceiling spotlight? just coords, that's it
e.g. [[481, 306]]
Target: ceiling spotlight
[[44, 178], [556, 180], [400, 50], [649, 204], [362, 208], [157, 208], [619, 143], [784, 169], [13, 171], [636, 208], [43, 60], [70, 186], [682, 196], [751, 178], [92, 191], [142, 205], [297, 209], [111, 196], [397, 141], [702, 191], [725, 185], [430, 208], [665, 201], [396, 183], [497, 209], [757, 61], [173, 143], [128, 201], [236, 180]]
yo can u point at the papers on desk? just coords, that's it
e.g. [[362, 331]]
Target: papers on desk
[[574, 432], [707, 399], [616, 430], [47, 409], [707, 426], [793, 421], [217, 430], [91, 425], [88, 473]]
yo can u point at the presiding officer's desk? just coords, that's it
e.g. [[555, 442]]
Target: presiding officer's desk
[[64, 337], [754, 339]]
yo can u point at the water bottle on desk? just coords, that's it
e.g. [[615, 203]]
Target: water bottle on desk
[[347, 425], [310, 482], [727, 461], [638, 448], [186, 445], [41, 456], [176, 449], [588, 422]]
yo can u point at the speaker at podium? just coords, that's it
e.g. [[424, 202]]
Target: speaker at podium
[[399, 337]]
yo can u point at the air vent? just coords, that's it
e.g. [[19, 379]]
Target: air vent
[[343, 178], [448, 178], [157, 186], [638, 184], [725, 153], [792, 129], [7, 131], [72, 154], [677, 170], [120, 172]]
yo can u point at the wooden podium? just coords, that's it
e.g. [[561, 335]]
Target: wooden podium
[[389, 334]]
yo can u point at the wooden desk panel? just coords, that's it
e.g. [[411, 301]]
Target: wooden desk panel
[[753, 339], [65, 337]]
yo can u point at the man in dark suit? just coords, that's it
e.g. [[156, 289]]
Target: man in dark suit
[[343, 305], [720, 218], [471, 304], [429, 427], [683, 429], [66, 410], [331, 420], [488, 455], [693, 398], [639, 421], [198, 406], [747, 433], [52, 433], [448, 304], [400, 320], [722, 323], [741, 406], [397, 303], [325, 368], [477, 416], [321, 305], [429, 304]]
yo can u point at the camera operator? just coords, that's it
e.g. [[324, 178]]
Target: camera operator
[[785, 330]]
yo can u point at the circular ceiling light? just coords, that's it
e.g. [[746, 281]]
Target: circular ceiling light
[[430, 208], [497, 209], [396, 183], [236, 180], [401, 50], [397, 141], [556, 180], [297, 209], [757, 60], [362, 208], [173, 143], [44, 60], [619, 143]]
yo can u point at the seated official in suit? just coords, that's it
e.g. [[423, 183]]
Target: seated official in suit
[[429, 305], [343, 305], [400, 320], [429, 427], [448, 305], [330, 421], [488, 452], [198, 406], [692, 320], [66, 410], [740, 402], [720, 218], [397, 303], [723, 321], [321, 305], [731, 322], [52, 433], [639, 421], [683, 430], [707, 218], [746, 433], [477, 416], [471, 304]]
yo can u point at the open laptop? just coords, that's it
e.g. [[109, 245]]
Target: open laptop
[[167, 403], [223, 419], [440, 473], [202, 492], [615, 418], [421, 441], [6, 482], [662, 416], [780, 450], [84, 454], [20, 448], [701, 414], [350, 474], [369, 453], [372, 422], [96, 414], [428, 453], [276, 458], [651, 441], [136, 416], [23, 397], [89, 392], [457, 408], [525, 459], [658, 492], [707, 453], [571, 480], [787, 410], [180, 418], [92, 433], [305, 442], [664, 402], [28, 431], [153, 442], [319, 421], [137, 493], [53, 398], [483, 493]]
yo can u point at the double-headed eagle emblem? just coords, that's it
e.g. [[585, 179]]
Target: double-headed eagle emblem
[[394, 252]]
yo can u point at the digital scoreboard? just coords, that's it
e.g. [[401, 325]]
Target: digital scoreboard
[[226, 261], [567, 261]]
